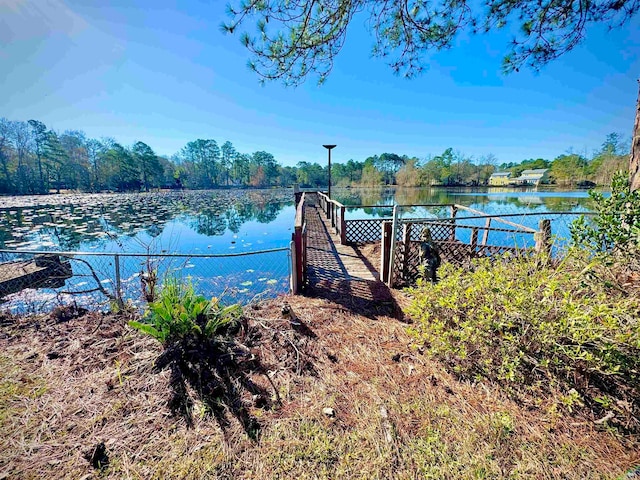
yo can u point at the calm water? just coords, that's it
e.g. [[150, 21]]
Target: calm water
[[192, 223], [186, 222], [492, 201], [221, 222]]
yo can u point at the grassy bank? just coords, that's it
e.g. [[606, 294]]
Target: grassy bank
[[348, 397]]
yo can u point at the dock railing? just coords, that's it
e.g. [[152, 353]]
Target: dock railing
[[461, 232], [299, 247], [334, 211]]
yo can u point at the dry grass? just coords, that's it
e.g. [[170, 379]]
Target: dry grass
[[66, 387]]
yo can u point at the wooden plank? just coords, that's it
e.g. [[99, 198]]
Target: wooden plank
[[47, 271]]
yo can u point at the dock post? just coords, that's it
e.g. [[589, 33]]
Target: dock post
[[343, 227], [293, 279], [543, 237], [485, 234], [394, 237], [452, 232], [385, 251]]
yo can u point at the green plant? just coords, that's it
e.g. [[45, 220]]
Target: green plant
[[617, 223], [533, 328], [179, 313]]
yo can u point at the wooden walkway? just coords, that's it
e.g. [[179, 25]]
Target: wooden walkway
[[341, 273], [44, 271]]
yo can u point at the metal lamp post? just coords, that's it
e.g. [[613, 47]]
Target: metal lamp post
[[329, 147]]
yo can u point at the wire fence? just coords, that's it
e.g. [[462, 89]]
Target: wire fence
[[469, 234], [38, 281]]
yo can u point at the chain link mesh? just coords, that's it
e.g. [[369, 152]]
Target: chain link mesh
[[34, 282]]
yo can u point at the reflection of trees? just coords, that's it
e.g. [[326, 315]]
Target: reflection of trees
[[210, 224], [209, 213], [234, 221], [268, 213], [378, 212]]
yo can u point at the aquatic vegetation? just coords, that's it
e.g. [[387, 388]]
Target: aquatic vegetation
[[70, 221]]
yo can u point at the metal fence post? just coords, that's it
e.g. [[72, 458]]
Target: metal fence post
[[116, 259], [394, 236]]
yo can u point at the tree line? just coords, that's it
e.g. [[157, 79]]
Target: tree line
[[451, 168], [35, 159]]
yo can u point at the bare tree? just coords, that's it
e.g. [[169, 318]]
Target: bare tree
[[634, 158]]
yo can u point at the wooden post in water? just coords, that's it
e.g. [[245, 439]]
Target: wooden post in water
[[385, 251], [452, 232], [543, 237], [485, 234]]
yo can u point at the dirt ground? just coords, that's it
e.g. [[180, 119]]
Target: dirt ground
[[324, 393]]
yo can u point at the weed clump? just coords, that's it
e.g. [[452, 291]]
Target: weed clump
[[205, 361], [555, 331]]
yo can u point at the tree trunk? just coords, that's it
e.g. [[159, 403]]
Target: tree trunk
[[634, 158]]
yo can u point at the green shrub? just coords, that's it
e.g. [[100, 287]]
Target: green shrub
[[180, 313], [532, 327], [617, 223]]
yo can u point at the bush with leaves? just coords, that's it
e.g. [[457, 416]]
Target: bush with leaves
[[201, 352], [535, 328], [179, 314], [617, 221]]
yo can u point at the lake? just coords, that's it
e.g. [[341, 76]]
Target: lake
[[216, 222], [492, 201], [192, 223]]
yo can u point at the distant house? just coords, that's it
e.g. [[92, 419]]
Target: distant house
[[499, 179], [532, 177]]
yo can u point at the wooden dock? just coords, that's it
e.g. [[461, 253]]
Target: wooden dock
[[339, 272], [43, 271]]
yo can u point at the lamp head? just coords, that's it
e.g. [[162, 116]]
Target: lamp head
[[329, 147]]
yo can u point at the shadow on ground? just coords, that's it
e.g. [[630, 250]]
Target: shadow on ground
[[229, 375], [328, 278]]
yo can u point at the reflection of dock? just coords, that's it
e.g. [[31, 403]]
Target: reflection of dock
[[43, 271]]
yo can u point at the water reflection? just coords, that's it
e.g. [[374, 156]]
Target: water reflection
[[73, 222], [378, 201]]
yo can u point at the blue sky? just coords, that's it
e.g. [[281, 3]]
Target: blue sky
[[163, 73]]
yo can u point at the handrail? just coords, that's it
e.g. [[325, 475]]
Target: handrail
[[469, 227], [143, 254], [497, 219], [391, 206], [331, 200], [300, 212]]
